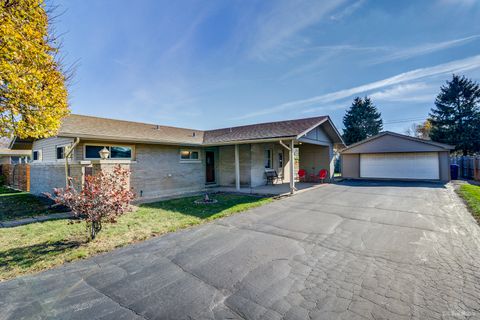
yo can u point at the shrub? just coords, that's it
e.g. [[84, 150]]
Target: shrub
[[103, 198]]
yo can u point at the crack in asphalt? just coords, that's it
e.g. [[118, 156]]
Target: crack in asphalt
[[283, 266]]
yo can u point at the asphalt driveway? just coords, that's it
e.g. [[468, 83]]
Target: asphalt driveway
[[349, 251]]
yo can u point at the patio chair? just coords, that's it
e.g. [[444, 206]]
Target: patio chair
[[271, 175], [302, 175], [322, 175]]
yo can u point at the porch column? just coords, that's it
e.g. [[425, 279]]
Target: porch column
[[237, 167], [292, 167]]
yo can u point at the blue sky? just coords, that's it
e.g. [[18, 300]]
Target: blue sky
[[211, 64]]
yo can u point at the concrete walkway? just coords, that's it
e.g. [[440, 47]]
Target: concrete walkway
[[345, 251], [21, 222]]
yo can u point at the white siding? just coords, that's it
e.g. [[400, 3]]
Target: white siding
[[48, 147]]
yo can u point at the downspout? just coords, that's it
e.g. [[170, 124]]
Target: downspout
[[67, 169]]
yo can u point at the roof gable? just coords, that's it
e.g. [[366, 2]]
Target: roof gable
[[268, 130], [386, 142]]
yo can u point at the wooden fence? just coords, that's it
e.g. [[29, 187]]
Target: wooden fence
[[16, 175], [469, 167]]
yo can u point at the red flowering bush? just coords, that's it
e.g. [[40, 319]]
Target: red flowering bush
[[103, 198]]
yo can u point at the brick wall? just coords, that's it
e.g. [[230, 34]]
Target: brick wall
[[16, 176]]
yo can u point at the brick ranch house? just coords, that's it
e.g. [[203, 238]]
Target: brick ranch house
[[167, 161]]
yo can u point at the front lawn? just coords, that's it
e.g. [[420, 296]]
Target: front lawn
[[16, 205], [471, 194], [39, 246]]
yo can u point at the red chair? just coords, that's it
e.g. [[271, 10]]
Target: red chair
[[322, 175], [302, 175]]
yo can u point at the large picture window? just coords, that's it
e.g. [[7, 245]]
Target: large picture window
[[116, 152]]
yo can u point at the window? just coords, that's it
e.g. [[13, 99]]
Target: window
[[268, 158], [116, 152], [119, 152], [60, 153], [280, 160], [189, 155], [37, 155]]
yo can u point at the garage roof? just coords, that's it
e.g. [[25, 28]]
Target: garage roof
[[387, 141]]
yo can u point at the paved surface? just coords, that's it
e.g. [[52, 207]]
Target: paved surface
[[350, 251], [21, 222]]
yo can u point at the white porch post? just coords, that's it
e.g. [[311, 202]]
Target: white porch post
[[292, 167], [237, 167]]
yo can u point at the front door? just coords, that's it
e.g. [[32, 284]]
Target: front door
[[210, 166]]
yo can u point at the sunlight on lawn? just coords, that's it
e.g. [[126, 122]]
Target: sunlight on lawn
[[40, 246]]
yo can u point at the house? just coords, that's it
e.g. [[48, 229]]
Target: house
[[167, 161], [8, 156], [390, 155]]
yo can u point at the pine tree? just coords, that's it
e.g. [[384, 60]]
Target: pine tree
[[361, 121], [456, 116]]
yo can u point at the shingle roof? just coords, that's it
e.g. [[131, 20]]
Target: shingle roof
[[86, 126], [101, 128], [384, 133], [267, 130]]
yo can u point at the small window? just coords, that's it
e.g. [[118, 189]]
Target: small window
[[36, 155], [188, 155], [60, 153], [268, 158], [280, 160]]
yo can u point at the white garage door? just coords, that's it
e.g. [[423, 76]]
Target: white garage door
[[421, 165]]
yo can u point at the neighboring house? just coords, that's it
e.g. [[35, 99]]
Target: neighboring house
[[8, 156], [167, 160], [391, 155]]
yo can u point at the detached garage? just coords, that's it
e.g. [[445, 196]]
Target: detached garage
[[391, 155]]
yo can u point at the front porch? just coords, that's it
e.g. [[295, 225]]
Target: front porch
[[279, 189], [242, 167]]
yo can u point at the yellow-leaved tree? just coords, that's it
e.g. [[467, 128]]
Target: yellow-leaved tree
[[33, 93]]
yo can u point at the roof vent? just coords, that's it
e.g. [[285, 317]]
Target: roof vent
[[230, 129], [157, 127]]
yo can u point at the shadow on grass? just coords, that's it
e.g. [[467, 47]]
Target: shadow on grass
[[226, 203], [17, 205], [25, 257]]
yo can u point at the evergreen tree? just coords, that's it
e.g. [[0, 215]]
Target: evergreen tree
[[455, 118], [361, 121]]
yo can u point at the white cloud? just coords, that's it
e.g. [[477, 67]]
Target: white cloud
[[409, 92], [349, 10], [402, 54], [279, 25], [327, 53], [456, 66]]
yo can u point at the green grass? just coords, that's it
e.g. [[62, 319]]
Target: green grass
[[16, 205], [471, 194], [39, 246]]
